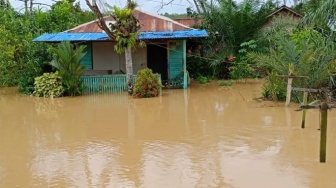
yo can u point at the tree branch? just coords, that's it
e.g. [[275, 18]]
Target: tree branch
[[101, 21]]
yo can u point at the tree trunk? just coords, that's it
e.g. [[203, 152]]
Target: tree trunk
[[26, 6], [31, 7], [129, 70]]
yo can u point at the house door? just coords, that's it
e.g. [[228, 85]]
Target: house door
[[157, 59]]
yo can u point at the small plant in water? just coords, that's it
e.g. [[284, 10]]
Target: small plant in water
[[146, 84], [225, 83], [203, 80]]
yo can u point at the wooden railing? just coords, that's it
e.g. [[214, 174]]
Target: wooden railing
[[106, 83]]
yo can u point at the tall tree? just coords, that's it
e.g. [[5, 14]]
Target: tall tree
[[124, 30], [230, 23], [4, 3]]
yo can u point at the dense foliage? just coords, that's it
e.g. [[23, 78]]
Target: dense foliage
[[299, 51], [147, 84], [48, 85], [229, 24], [21, 60]]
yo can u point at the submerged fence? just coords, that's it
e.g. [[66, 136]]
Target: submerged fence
[[106, 83]]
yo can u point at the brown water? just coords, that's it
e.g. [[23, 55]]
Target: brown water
[[205, 136]]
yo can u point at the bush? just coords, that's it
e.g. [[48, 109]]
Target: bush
[[48, 85], [27, 78], [203, 80], [147, 84], [197, 66], [274, 88], [9, 71], [241, 70]]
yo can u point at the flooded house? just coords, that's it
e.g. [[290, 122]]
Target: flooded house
[[164, 53]]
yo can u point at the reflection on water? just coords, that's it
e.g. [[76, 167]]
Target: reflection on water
[[205, 136]]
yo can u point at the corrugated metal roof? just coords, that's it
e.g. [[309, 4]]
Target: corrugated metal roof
[[148, 22], [173, 34], [188, 21], [58, 37]]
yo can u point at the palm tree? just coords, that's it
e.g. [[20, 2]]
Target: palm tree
[[67, 62], [322, 16], [124, 30]]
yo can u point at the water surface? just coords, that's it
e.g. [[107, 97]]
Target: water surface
[[205, 136]]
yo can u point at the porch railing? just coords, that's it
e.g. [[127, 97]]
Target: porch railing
[[106, 83]]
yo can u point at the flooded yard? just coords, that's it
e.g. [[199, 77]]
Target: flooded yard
[[205, 136]]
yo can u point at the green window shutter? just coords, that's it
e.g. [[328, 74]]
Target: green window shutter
[[87, 59], [175, 59]]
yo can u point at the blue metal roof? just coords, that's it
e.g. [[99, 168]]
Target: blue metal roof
[[173, 34], [58, 37]]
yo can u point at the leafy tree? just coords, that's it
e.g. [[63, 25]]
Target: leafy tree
[[21, 60], [4, 4]]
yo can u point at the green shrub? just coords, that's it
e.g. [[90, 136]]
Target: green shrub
[[9, 71], [48, 85], [203, 80], [241, 70], [197, 66], [146, 84], [27, 78]]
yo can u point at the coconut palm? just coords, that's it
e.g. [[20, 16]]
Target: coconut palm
[[304, 53], [124, 30], [323, 17]]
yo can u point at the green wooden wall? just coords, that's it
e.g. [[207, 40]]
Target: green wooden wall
[[87, 59], [175, 58], [177, 62]]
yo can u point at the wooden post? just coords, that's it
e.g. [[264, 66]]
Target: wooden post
[[305, 96], [289, 91], [323, 139]]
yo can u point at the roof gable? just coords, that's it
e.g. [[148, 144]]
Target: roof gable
[[285, 10], [149, 23]]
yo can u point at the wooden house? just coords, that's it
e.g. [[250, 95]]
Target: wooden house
[[164, 53], [283, 12]]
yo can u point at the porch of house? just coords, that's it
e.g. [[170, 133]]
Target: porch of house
[[106, 83], [106, 69]]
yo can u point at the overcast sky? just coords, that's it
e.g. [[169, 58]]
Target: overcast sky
[[155, 6]]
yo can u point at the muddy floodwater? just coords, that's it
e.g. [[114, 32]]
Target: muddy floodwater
[[205, 136]]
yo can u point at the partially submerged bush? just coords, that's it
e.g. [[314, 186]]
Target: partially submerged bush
[[48, 85], [225, 83], [203, 79], [274, 88], [146, 84]]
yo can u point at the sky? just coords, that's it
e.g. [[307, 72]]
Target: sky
[[154, 6]]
